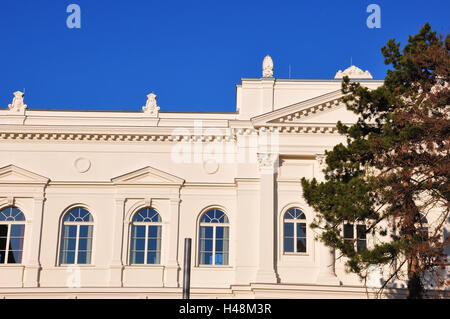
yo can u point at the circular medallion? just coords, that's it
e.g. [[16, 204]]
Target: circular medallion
[[210, 166], [82, 164]]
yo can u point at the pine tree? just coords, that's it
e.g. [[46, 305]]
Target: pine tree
[[392, 175]]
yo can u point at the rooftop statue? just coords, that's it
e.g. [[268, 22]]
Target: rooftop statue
[[267, 67]]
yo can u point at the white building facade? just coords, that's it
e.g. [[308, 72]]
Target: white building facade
[[98, 204]]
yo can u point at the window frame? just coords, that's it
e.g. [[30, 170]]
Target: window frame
[[9, 225], [77, 237], [295, 221], [214, 237], [147, 225], [355, 239]]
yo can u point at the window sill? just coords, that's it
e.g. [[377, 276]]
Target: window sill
[[213, 267], [295, 254]]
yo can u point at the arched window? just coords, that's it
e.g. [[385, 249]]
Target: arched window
[[76, 238], [12, 231], [294, 223], [146, 237], [214, 238]]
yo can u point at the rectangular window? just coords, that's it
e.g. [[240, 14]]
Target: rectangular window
[[361, 237], [348, 233]]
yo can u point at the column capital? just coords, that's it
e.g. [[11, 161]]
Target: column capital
[[267, 162]]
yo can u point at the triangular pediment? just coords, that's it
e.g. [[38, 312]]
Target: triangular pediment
[[148, 176], [324, 109], [12, 174]]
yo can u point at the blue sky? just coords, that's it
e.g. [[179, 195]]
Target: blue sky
[[190, 53]]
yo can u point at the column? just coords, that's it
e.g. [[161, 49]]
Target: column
[[172, 269], [266, 253], [326, 275], [116, 266], [32, 262]]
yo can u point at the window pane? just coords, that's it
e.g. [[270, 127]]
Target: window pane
[[85, 244], [361, 245], [70, 231], [301, 245], [137, 257], [138, 231], [17, 230], [15, 257], [154, 231], [138, 244], [289, 229], [301, 230], [206, 258], [206, 232], [219, 259], [86, 231], [67, 257], [348, 231], [3, 230], [84, 257], [361, 231], [288, 244], [15, 244], [153, 257]]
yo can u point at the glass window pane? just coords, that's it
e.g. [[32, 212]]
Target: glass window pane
[[138, 244], [138, 231], [70, 231], [2, 256], [84, 244], [301, 230], [86, 231], [15, 244], [301, 245], [361, 245], [153, 257], [14, 257], [288, 244], [219, 259], [219, 245], [152, 244], [361, 231], [348, 231], [17, 230], [3, 230], [205, 258], [206, 232], [154, 231], [137, 257], [2, 243], [67, 257], [219, 232], [289, 229]]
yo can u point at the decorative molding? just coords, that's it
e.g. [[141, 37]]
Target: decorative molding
[[307, 111], [267, 161], [353, 72]]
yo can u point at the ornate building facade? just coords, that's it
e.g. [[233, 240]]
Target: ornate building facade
[[97, 204]]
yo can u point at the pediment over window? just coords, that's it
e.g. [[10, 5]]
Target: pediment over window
[[12, 174], [324, 109], [147, 176]]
